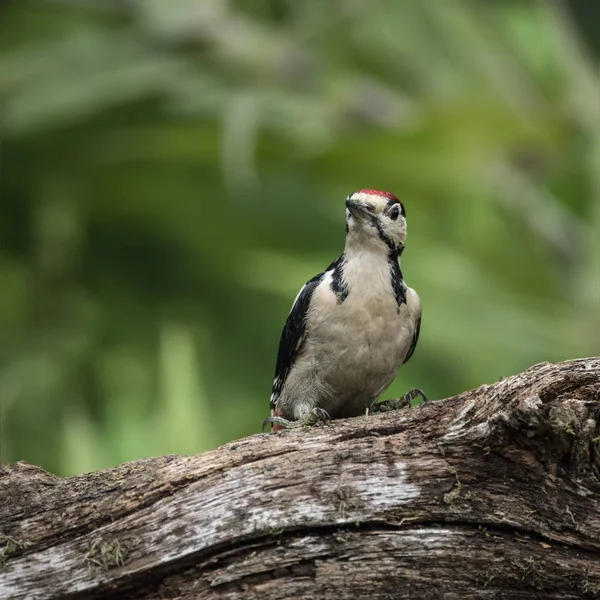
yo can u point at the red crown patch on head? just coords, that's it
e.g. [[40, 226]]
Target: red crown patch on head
[[387, 195]]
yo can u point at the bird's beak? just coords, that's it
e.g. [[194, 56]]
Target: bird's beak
[[358, 209]]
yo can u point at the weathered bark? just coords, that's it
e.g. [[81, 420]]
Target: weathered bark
[[491, 494]]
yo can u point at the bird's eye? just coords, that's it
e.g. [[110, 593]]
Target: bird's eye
[[395, 213]]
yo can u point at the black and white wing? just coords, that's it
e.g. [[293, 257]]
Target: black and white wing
[[415, 339], [294, 333]]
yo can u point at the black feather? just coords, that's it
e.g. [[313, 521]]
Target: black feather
[[338, 284], [414, 341], [396, 276]]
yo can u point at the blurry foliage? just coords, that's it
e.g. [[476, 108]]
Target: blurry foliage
[[172, 172]]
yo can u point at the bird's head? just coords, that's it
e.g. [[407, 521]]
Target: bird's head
[[375, 219]]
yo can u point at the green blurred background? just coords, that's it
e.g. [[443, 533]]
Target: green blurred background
[[173, 171]]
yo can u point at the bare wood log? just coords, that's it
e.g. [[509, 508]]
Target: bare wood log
[[494, 493]]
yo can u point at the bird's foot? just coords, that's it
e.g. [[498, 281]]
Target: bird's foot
[[413, 395], [405, 401], [318, 416]]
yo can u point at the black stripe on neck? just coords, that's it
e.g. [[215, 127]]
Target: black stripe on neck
[[338, 284], [397, 279], [382, 235], [394, 253]]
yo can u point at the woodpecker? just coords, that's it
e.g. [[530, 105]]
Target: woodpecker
[[352, 326]]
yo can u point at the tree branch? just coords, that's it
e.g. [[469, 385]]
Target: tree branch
[[493, 493]]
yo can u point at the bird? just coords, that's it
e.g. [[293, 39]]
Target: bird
[[351, 327]]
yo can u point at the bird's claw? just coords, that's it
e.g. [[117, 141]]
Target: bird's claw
[[414, 394], [316, 417]]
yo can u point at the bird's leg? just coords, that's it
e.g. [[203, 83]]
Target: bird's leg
[[398, 403], [315, 417]]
